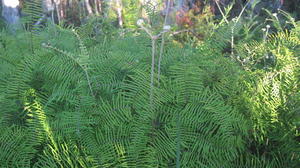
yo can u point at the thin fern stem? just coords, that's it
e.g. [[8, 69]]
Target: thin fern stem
[[233, 27], [222, 13], [89, 83], [232, 41], [85, 53], [160, 57], [177, 141], [264, 41], [152, 70], [153, 42], [62, 52], [84, 69], [241, 13], [162, 43]]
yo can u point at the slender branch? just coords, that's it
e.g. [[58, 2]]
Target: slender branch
[[223, 15], [180, 31], [241, 13], [233, 27], [147, 31]]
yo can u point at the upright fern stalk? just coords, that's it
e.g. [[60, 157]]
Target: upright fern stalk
[[84, 55], [140, 22], [166, 27], [33, 13]]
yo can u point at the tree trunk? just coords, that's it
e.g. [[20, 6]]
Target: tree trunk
[[88, 7], [58, 10], [82, 11], [48, 8], [95, 7], [99, 6], [119, 12]]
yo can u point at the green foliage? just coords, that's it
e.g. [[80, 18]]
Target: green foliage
[[270, 95], [2, 23], [130, 13], [70, 104], [15, 151]]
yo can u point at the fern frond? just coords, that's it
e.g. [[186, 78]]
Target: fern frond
[[33, 11], [14, 147]]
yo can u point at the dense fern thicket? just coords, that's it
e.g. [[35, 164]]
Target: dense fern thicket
[[70, 98]]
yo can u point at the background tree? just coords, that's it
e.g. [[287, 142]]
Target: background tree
[[125, 12], [10, 11]]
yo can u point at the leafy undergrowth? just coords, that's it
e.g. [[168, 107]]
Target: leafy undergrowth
[[68, 100]]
